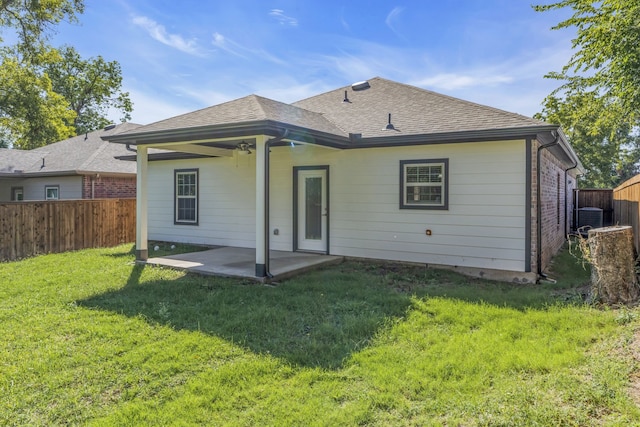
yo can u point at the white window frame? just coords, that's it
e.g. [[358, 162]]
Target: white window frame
[[178, 196], [55, 188], [405, 203], [17, 194]]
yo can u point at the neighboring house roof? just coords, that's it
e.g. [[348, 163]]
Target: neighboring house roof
[[79, 155], [355, 116], [13, 161]]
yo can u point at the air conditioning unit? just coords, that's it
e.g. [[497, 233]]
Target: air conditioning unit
[[589, 218]]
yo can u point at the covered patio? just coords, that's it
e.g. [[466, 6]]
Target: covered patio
[[240, 262]]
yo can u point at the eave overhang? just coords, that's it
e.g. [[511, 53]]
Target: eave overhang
[[200, 135], [234, 130]]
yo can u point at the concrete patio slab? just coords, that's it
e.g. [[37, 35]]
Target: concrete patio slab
[[240, 262]]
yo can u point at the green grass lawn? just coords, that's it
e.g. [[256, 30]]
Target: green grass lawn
[[90, 338]]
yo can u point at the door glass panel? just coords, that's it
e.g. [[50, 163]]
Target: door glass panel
[[313, 208]]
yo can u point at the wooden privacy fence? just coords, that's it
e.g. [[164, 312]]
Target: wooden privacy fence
[[595, 198], [625, 206], [31, 228]]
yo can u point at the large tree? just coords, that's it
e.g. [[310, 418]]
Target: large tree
[[33, 20], [31, 113], [49, 94], [92, 87], [609, 149], [598, 101]]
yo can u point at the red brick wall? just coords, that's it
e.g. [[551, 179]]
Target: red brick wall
[[555, 219], [108, 187]]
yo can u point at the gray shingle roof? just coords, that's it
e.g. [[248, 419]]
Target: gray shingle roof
[[15, 160], [80, 154], [414, 111], [251, 108], [418, 116]]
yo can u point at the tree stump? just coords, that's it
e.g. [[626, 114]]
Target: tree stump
[[613, 275]]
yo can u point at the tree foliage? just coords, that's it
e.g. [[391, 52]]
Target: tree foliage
[[91, 87], [31, 113], [608, 149], [33, 20], [598, 102], [49, 94]]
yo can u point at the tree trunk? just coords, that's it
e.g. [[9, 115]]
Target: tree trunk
[[613, 275]]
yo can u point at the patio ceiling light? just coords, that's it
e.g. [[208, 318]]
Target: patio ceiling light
[[243, 148]]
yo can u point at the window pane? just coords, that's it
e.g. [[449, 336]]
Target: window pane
[[412, 174], [424, 174], [424, 195], [186, 184], [313, 208], [424, 184], [51, 193], [186, 209]]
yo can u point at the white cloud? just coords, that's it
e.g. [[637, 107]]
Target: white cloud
[[159, 33], [285, 88], [453, 81], [202, 98], [230, 46], [345, 24], [279, 15], [149, 108], [392, 17], [221, 42]]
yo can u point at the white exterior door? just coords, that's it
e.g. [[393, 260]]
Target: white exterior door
[[312, 210]]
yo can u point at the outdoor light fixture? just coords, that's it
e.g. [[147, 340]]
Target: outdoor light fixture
[[243, 148]]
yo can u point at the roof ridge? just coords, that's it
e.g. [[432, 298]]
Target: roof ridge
[[290, 105], [188, 113], [88, 160], [257, 100]]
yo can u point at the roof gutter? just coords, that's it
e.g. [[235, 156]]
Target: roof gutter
[[236, 130], [20, 175], [454, 137], [302, 134]]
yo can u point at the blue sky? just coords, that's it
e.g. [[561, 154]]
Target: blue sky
[[178, 56]]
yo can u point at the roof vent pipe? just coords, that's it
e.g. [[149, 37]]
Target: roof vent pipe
[[346, 98], [389, 125], [42, 163]]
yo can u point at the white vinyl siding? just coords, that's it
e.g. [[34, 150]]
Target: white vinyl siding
[[484, 226], [69, 187], [226, 202]]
